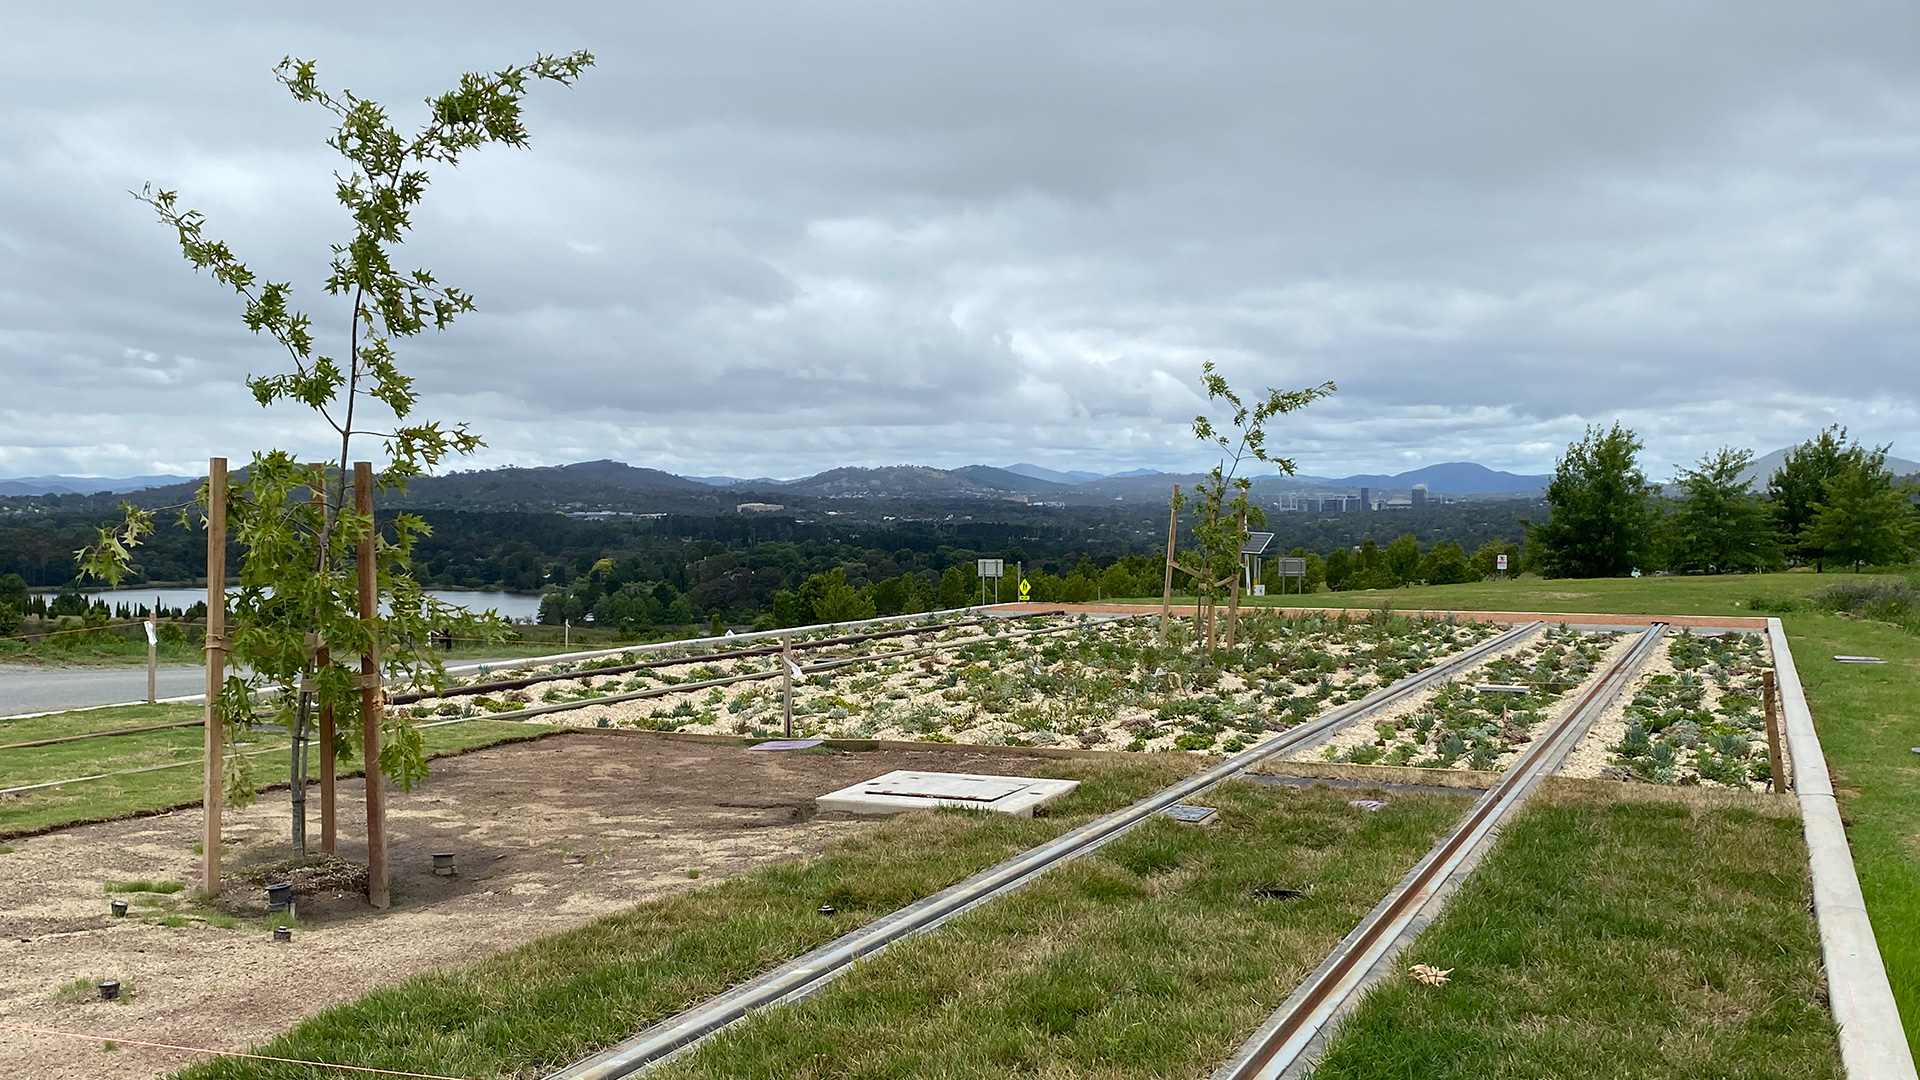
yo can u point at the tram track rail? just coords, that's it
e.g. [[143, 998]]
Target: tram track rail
[[750, 676], [1282, 1046], [806, 974]]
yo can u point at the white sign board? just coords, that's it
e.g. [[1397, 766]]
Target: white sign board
[[1500, 562], [1259, 589], [993, 568]]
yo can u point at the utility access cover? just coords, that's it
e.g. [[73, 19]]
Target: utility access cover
[[905, 789]]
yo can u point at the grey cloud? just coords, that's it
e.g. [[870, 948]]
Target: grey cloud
[[774, 238]]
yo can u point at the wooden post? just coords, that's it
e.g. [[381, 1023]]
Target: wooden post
[[1166, 590], [371, 709], [786, 679], [213, 790], [1770, 700]]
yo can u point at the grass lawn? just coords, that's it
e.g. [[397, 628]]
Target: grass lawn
[[1868, 717], [1610, 939], [1149, 958], [532, 1009], [147, 792]]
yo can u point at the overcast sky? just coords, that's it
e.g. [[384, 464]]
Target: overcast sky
[[772, 238]]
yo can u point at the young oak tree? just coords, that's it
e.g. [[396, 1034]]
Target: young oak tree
[[295, 626], [1221, 510]]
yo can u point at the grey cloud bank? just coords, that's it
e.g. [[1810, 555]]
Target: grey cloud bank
[[773, 239]]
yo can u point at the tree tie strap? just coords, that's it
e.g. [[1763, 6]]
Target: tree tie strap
[[221, 642], [368, 682]]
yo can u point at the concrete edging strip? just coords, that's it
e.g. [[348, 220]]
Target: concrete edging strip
[[1873, 1044]]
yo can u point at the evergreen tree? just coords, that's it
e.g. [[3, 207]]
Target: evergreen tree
[[1864, 519], [1797, 489], [1446, 564], [1721, 526], [1600, 520], [1403, 558]]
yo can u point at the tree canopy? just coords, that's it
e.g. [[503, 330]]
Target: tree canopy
[[1600, 517], [1721, 525]]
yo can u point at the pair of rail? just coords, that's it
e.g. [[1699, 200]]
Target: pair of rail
[[1279, 1043]]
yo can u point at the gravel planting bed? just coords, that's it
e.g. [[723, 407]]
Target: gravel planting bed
[[1694, 717], [1066, 682], [1458, 726]]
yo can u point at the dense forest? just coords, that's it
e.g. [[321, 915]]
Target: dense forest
[[895, 555]]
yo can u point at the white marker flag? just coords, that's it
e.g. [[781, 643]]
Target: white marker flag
[[793, 669], [151, 640]]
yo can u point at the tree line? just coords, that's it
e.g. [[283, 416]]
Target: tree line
[[1832, 503]]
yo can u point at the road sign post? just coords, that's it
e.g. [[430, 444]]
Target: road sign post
[[995, 569]]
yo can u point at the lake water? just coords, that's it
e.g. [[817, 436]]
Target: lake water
[[519, 607]]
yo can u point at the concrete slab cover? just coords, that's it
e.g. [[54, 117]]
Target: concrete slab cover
[[903, 790], [787, 744], [945, 786]]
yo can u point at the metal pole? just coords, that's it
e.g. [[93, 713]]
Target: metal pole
[[786, 681], [329, 805], [213, 791], [153, 650], [1166, 591], [370, 706]]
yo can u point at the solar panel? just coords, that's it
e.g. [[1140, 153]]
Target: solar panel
[[1256, 543]]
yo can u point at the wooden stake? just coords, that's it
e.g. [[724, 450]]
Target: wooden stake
[[1166, 591], [213, 790], [371, 709], [1770, 700]]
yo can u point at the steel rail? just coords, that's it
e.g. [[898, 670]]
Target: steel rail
[[805, 974], [703, 658], [1280, 1043], [750, 676]]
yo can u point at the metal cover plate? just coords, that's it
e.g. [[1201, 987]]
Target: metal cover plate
[[1190, 814], [945, 786]]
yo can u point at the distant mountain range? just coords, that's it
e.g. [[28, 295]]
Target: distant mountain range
[[84, 485], [616, 486]]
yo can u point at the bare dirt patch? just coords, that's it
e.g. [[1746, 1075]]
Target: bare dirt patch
[[546, 836]]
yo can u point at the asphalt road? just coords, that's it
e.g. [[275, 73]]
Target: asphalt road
[[26, 689]]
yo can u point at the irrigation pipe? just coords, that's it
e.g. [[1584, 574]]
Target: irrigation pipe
[[1873, 1045], [1280, 1046], [805, 974]]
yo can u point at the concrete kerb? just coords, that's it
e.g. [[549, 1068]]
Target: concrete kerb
[[1873, 1044]]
